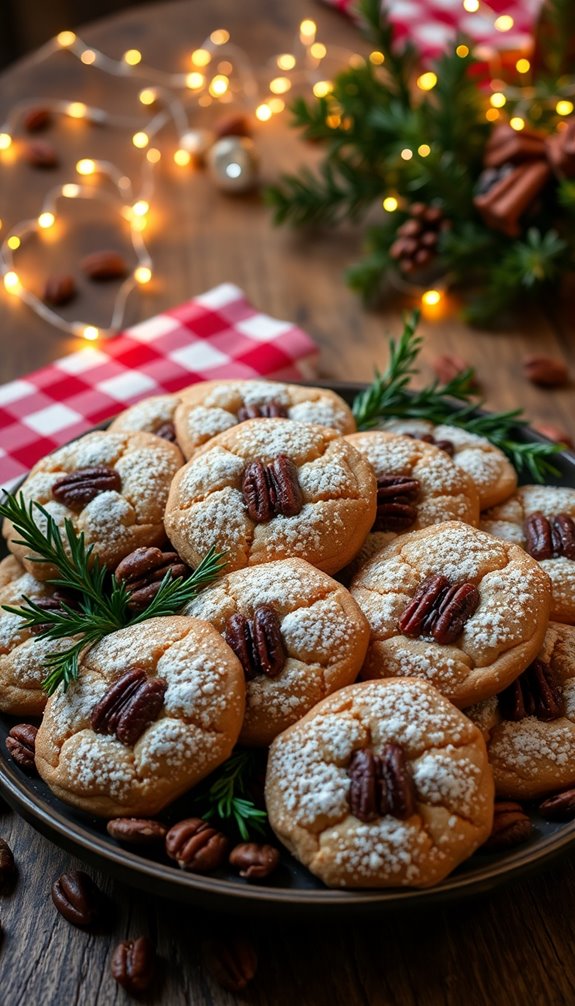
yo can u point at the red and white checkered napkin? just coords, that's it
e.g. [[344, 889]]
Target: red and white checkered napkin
[[216, 335], [432, 24]]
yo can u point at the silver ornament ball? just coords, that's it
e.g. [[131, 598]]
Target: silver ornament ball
[[233, 164]]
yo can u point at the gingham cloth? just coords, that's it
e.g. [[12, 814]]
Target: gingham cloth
[[216, 335], [431, 25]]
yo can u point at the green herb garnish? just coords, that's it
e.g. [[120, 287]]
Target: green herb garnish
[[227, 795]]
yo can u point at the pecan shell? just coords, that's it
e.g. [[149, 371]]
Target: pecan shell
[[560, 807], [536, 692], [80, 487], [143, 571], [129, 706], [269, 410], [511, 826], [77, 898], [196, 845], [133, 964], [21, 745]]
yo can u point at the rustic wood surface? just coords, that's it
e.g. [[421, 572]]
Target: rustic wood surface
[[512, 947]]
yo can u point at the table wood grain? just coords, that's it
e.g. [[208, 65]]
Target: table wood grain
[[511, 947]]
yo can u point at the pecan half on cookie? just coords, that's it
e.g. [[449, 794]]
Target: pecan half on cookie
[[129, 706], [257, 642], [79, 488], [272, 489]]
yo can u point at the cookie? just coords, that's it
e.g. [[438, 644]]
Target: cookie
[[494, 476], [22, 653], [455, 606], [272, 489], [530, 727], [298, 633], [418, 485], [156, 707], [211, 407], [383, 784], [542, 520], [112, 486], [151, 415]]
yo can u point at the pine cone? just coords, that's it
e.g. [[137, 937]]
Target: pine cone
[[416, 243]]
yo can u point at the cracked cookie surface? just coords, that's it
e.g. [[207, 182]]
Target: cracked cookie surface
[[498, 640], [308, 787]]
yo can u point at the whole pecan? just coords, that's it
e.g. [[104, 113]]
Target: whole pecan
[[257, 642], [439, 609], [133, 964], [511, 826], [36, 119], [167, 431], [129, 706], [271, 489], [428, 438], [80, 487], [52, 603], [234, 124], [59, 290], [269, 410], [196, 845], [381, 784], [136, 830], [449, 366], [143, 571], [104, 265], [536, 692], [231, 962], [560, 807], [538, 541], [7, 865], [254, 860], [547, 371], [40, 154], [563, 536], [396, 495], [21, 745], [77, 898]]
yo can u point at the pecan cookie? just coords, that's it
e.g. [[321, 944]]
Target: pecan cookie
[[22, 654], [417, 485], [383, 784], [211, 407], [455, 606], [151, 415], [492, 473], [272, 489], [298, 634], [530, 726], [156, 707], [542, 520], [112, 486]]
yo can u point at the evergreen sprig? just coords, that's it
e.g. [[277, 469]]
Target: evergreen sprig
[[454, 403], [100, 603], [226, 796]]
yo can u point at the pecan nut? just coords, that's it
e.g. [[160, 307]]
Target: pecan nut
[[563, 536], [78, 488], [40, 154], [363, 772], [381, 784], [143, 571], [550, 538], [21, 745], [167, 431], [136, 830], [422, 604], [439, 609], [396, 495], [254, 860], [129, 706], [232, 962], [271, 489], [269, 410], [511, 826], [53, 603], [104, 265], [449, 366], [257, 642], [133, 964], [77, 898], [547, 371], [459, 603], [7, 865], [59, 290], [36, 119], [536, 692], [428, 438], [560, 807], [196, 845]]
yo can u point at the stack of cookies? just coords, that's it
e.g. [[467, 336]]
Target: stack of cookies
[[396, 699]]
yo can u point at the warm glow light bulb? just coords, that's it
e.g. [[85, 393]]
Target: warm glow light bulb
[[90, 332], [70, 190], [517, 123], [427, 81], [523, 65], [376, 57], [13, 242], [492, 115], [390, 204], [148, 96], [462, 51], [276, 105], [140, 208], [201, 57], [424, 150], [76, 109], [318, 50], [564, 107], [140, 140], [220, 36], [307, 30], [5, 141], [279, 85], [322, 88], [142, 274], [498, 100], [86, 166], [195, 80], [286, 61], [471, 6], [406, 154], [263, 112], [219, 85], [431, 297], [12, 282], [153, 155], [66, 38], [132, 57], [504, 22], [88, 57], [46, 220], [182, 158]]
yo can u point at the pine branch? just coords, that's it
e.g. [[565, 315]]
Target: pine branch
[[226, 796]]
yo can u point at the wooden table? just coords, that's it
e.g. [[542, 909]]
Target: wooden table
[[511, 947]]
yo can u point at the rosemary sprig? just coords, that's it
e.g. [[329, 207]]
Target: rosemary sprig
[[102, 601], [226, 798], [454, 403]]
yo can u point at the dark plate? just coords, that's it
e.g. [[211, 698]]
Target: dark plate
[[292, 889]]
